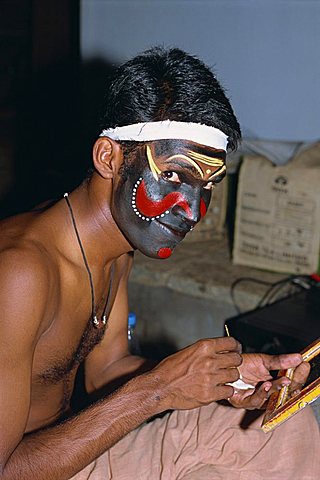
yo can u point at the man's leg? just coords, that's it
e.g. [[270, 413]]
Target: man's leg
[[228, 445], [214, 442]]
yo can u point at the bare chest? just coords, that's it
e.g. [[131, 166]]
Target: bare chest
[[59, 354], [72, 335], [54, 371]]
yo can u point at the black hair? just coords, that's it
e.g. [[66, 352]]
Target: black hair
[[169, 84]]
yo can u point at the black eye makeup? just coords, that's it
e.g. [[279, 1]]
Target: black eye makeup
[[171, 176]]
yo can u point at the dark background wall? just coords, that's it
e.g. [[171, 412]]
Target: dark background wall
[[39, 101]]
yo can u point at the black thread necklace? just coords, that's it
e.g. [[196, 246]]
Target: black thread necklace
[[95, 320]]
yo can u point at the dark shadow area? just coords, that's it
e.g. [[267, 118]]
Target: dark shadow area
[[231, 206], [158, 350], [57, 122], [249, 417], [96, 76], [45, 150]]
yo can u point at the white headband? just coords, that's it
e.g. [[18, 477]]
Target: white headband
[[167, 129]]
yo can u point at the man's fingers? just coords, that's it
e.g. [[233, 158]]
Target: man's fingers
[[222, 392], [279, 383], [231, 359], [228, 375], [282, 362], [227, 344], [252, 401], [300, 376]]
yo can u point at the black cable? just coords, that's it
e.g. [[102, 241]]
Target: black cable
[[244, 279], [271, 294], [83, 256], [96, 321], [280, 283], [298, 282]]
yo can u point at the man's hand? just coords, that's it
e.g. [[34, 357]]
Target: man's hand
[[255, 370], [197, 374]]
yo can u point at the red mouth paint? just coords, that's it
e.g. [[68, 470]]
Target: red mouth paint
[[164, 252], [153, 208]]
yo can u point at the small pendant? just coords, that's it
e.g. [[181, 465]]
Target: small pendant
[[95, 322], [99, 323]]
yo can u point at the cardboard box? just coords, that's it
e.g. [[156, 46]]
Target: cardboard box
[[278, 214]]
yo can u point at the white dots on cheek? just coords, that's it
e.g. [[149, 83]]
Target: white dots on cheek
[[134, 205]]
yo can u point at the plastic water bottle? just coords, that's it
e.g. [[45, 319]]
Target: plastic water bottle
[[133, 341]]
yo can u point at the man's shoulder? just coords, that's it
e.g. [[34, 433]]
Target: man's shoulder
[[24, 289], [22, 241], [23, 264]]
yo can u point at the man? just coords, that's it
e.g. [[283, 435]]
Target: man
[[63, 296]]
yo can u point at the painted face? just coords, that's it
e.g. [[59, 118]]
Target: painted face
[[168, 195]]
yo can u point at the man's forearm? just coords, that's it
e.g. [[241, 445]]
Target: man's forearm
[[59, 452]]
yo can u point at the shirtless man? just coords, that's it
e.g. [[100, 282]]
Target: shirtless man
[[63, 295]]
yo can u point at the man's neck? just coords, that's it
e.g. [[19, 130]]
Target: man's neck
[[99, 235]]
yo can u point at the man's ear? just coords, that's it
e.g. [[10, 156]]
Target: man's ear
[[107, 157]]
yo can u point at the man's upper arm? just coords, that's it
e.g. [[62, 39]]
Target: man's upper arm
[[21, 304]]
